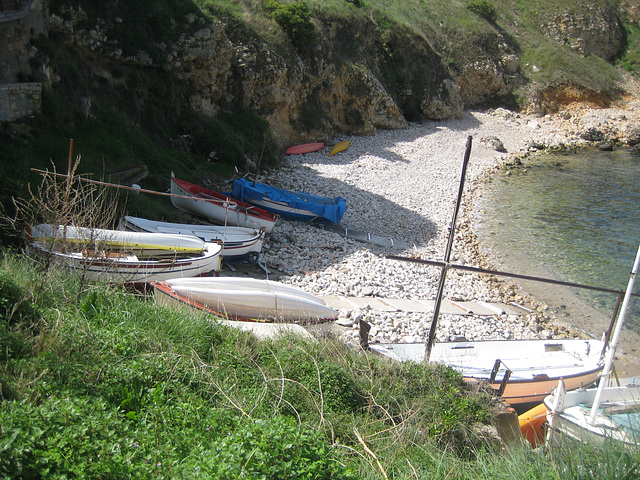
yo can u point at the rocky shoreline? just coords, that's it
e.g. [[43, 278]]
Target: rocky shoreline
[[403, 184]]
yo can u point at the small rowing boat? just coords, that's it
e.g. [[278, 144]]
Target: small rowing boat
[[245, 299], [218, 208], [239, 244], [523, 371], [292, 205], [125, 268], [99, 239]]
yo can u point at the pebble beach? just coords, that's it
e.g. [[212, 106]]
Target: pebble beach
[[403, 185]]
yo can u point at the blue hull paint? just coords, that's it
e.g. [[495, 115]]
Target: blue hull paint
[[299, 206]]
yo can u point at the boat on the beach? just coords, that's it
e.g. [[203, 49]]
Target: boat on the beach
[[305, 148], [115, 266], [239, 244], [58, 237], [218, 208], [245, 299], [520, 371], [605, 413], [292, 205], [340, 147]]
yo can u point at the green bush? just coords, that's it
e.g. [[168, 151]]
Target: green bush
[[483, 9], [295, 20]]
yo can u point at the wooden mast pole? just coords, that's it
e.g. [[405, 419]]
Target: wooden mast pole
[[447, 254]]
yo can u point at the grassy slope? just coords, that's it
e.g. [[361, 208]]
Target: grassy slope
[[102, 383], [99, 380]]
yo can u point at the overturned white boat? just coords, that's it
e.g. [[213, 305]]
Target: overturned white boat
[[245, 299], [70, 237]]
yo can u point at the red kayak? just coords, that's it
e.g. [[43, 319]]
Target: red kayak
[[306, 148]]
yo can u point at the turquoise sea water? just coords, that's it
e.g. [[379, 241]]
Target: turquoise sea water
[[573, 217]]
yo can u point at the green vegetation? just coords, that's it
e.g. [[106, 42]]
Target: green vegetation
[[295, 20], [483, 9], [99, 382], [110, 385], [630, 58], [120, 115]]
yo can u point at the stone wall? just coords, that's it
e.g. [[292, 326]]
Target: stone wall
[[18, 100], [17, 28]]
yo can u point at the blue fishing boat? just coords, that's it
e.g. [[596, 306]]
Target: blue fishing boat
[[292, 205]]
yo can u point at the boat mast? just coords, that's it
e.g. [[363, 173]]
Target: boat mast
[[447, 254], [608, 366]]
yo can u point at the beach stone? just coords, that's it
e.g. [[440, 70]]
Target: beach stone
[[402, 185]]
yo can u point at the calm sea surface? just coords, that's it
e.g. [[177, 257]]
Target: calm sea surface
[[573, 217]]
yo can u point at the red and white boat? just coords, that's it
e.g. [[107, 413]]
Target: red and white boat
[[219, 208]]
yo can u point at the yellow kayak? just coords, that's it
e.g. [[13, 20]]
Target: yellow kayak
[[340, 147]]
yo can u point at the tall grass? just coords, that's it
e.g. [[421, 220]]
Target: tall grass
[[114, 386]]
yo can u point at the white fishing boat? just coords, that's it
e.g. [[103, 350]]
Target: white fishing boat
[[218, 208], [617, 415], [520, 371], [125, 268], [57, 237], [239, 244], [599, 414], [245, 299]]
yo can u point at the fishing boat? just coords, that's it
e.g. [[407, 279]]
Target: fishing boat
[[305, 148], [520, 371], [57, 237], [114, 266], [292, 205], [239, 244], [245, 299], [605, 413], [218, 208]]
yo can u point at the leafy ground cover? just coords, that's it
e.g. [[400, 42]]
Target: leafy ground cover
[[99, 382]]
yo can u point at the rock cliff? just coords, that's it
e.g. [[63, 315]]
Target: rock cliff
[[354, 78]]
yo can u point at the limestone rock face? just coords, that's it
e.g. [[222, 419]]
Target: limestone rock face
[[205, 59], [481, 81], [595, 30], [355, 78]]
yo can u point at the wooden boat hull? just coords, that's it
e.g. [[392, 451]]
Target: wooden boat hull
[[535, 366], [131, 269], [305, 148], [300, 206], [218, 208], [246, 302], [142, 243], [238, 243], [618, 417]]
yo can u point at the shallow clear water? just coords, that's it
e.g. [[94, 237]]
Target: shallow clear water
[[574, 217]]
